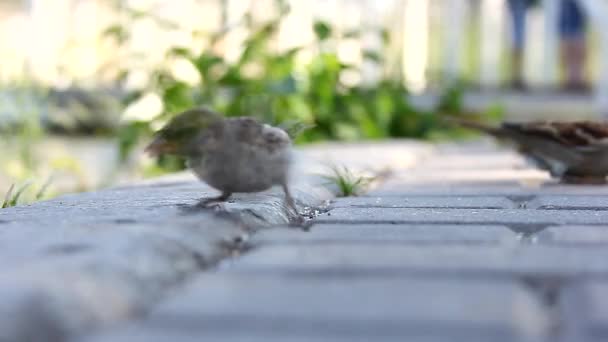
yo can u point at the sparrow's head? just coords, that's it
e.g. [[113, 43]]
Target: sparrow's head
[[178, 135]]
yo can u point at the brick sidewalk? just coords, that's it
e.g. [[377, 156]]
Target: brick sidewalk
[[469, 245]]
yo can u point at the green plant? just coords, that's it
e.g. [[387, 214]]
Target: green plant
[[15, 195], [347, 183], [276, 87], [42, 192], [11, 199]]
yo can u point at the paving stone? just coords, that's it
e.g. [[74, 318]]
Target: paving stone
[[478, 202], [437, 176], [573, 235], [392, 154], [103, 257], [510, 217], [481, 145], [399, 189], [571, 202], [30, 316], [488, 160], [590, 301], [330, 307], [145, 333], [386, 233], [482, 260], [394, 188], [430, 255]]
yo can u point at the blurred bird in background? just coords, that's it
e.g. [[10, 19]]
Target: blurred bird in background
[[574, 152]]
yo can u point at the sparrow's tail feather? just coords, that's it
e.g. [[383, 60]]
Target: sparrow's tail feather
[[466, 123]]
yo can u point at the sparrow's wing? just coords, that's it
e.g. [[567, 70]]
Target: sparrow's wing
[[544, 137], [243, 130], [562, 148], [540, 144], [575, 134], [589, 140]]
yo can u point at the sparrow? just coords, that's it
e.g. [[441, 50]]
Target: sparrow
[[231, 155], [575, 152]]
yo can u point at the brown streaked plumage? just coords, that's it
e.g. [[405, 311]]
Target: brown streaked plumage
[[575, 152]]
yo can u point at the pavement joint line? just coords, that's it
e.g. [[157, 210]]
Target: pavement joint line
[[424, 272]]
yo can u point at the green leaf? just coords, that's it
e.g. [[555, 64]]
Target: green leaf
[[117, 32], [129, 135], [232, 77], [285, 86], [294, 127], [136, 14], [372, 55], [386, 35], [283, 6], [451, 99], [354, 33], [177, 97], [205, 63], [322, 30], [180, 52]]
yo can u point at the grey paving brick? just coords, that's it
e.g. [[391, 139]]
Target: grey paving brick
[[488, 202], [572, 202], [487, 160], [481, 145], [337, 307], [588, 308], [463, 216], [81, 261], [399, 189], [395, 154], [574, 235], [386, 233], [395, 188], [482, 260], [437, 176], [145, 333]]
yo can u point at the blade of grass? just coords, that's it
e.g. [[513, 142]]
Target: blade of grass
[[7, 196], [347, 183], [42, 191], [15, 199]]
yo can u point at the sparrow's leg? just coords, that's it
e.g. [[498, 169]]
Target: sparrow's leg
[[221, 198], [289, 199]]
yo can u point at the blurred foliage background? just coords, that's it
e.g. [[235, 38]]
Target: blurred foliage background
[[76, 139], [275, 86]]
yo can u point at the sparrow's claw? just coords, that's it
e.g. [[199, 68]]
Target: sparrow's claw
[[291, 203], [208, 202]]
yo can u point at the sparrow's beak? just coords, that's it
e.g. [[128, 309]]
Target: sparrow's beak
[[160, 146]]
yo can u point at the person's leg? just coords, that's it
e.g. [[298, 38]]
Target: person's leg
[[518, 24], [572, 28]]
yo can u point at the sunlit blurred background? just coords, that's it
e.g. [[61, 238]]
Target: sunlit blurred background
[[83, 83]]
